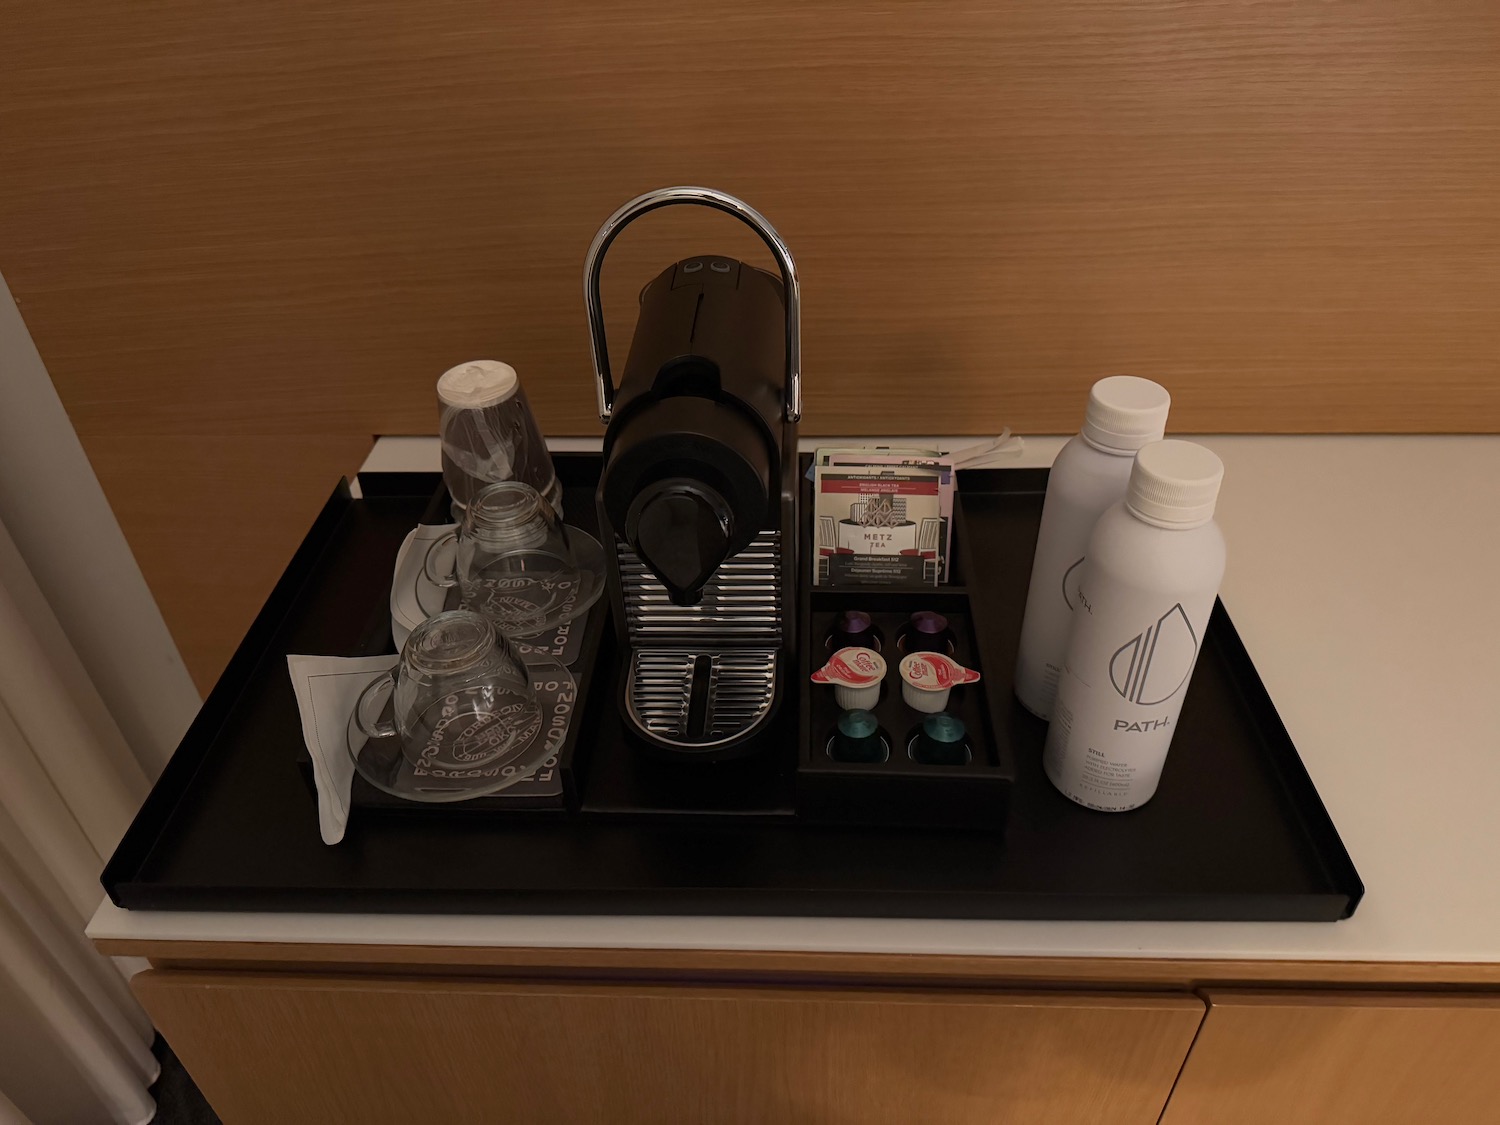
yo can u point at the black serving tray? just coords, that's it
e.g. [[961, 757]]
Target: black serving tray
[[1235, 832]]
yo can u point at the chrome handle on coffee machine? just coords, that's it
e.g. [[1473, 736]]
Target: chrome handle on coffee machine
[[720, 201]]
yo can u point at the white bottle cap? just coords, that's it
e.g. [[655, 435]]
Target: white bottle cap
[[1174, 484], [477, 384], [1125, 413]]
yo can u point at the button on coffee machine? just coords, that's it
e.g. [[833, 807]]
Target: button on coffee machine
[[697, 499]]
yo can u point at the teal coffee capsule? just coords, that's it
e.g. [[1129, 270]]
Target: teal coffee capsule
[[858, 738], [942, 741]]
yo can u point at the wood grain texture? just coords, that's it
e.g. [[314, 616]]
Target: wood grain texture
[[410, 1050], [285, 219], [763, 966], [1331, 1059], [213, 521]]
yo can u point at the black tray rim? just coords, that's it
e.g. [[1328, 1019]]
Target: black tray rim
[[133, 853]]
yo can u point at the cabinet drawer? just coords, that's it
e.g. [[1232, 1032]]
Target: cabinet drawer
[[1334, 1058], [309, 1048]]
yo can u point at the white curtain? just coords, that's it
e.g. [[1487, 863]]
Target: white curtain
[[76, 1045]]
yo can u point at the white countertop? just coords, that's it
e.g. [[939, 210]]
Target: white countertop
[[1361, 579]]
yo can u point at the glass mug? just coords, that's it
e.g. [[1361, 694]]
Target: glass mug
[[515, 562], [460, 696]]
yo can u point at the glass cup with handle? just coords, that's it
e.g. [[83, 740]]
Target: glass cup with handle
[[460, 697], [514, 561]]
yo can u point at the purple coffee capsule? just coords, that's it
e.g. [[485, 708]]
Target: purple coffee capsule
[[927, 632], [855, 629]]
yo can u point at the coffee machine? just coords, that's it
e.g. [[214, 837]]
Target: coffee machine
[[697, 498]]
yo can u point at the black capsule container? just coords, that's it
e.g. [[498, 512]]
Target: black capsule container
[[899, 790]]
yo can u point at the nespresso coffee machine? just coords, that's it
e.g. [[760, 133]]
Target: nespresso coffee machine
[[697, 499]]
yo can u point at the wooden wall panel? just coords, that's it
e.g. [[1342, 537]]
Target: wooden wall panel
[[214, 520], [285, 219], [290, 1049]]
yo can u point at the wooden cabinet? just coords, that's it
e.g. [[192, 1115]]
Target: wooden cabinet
[[1333, 1058], [291, 1034], [319, 1048]]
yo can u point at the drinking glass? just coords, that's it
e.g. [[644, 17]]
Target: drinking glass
[[460, 696], [488, 433], [514, 561]]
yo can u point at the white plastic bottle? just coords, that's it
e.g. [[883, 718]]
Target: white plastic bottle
[[1090, 474], [1154, 566]]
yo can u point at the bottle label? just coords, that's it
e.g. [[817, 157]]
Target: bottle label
[[1070, 581], [1039, 691], [1120, 693]]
